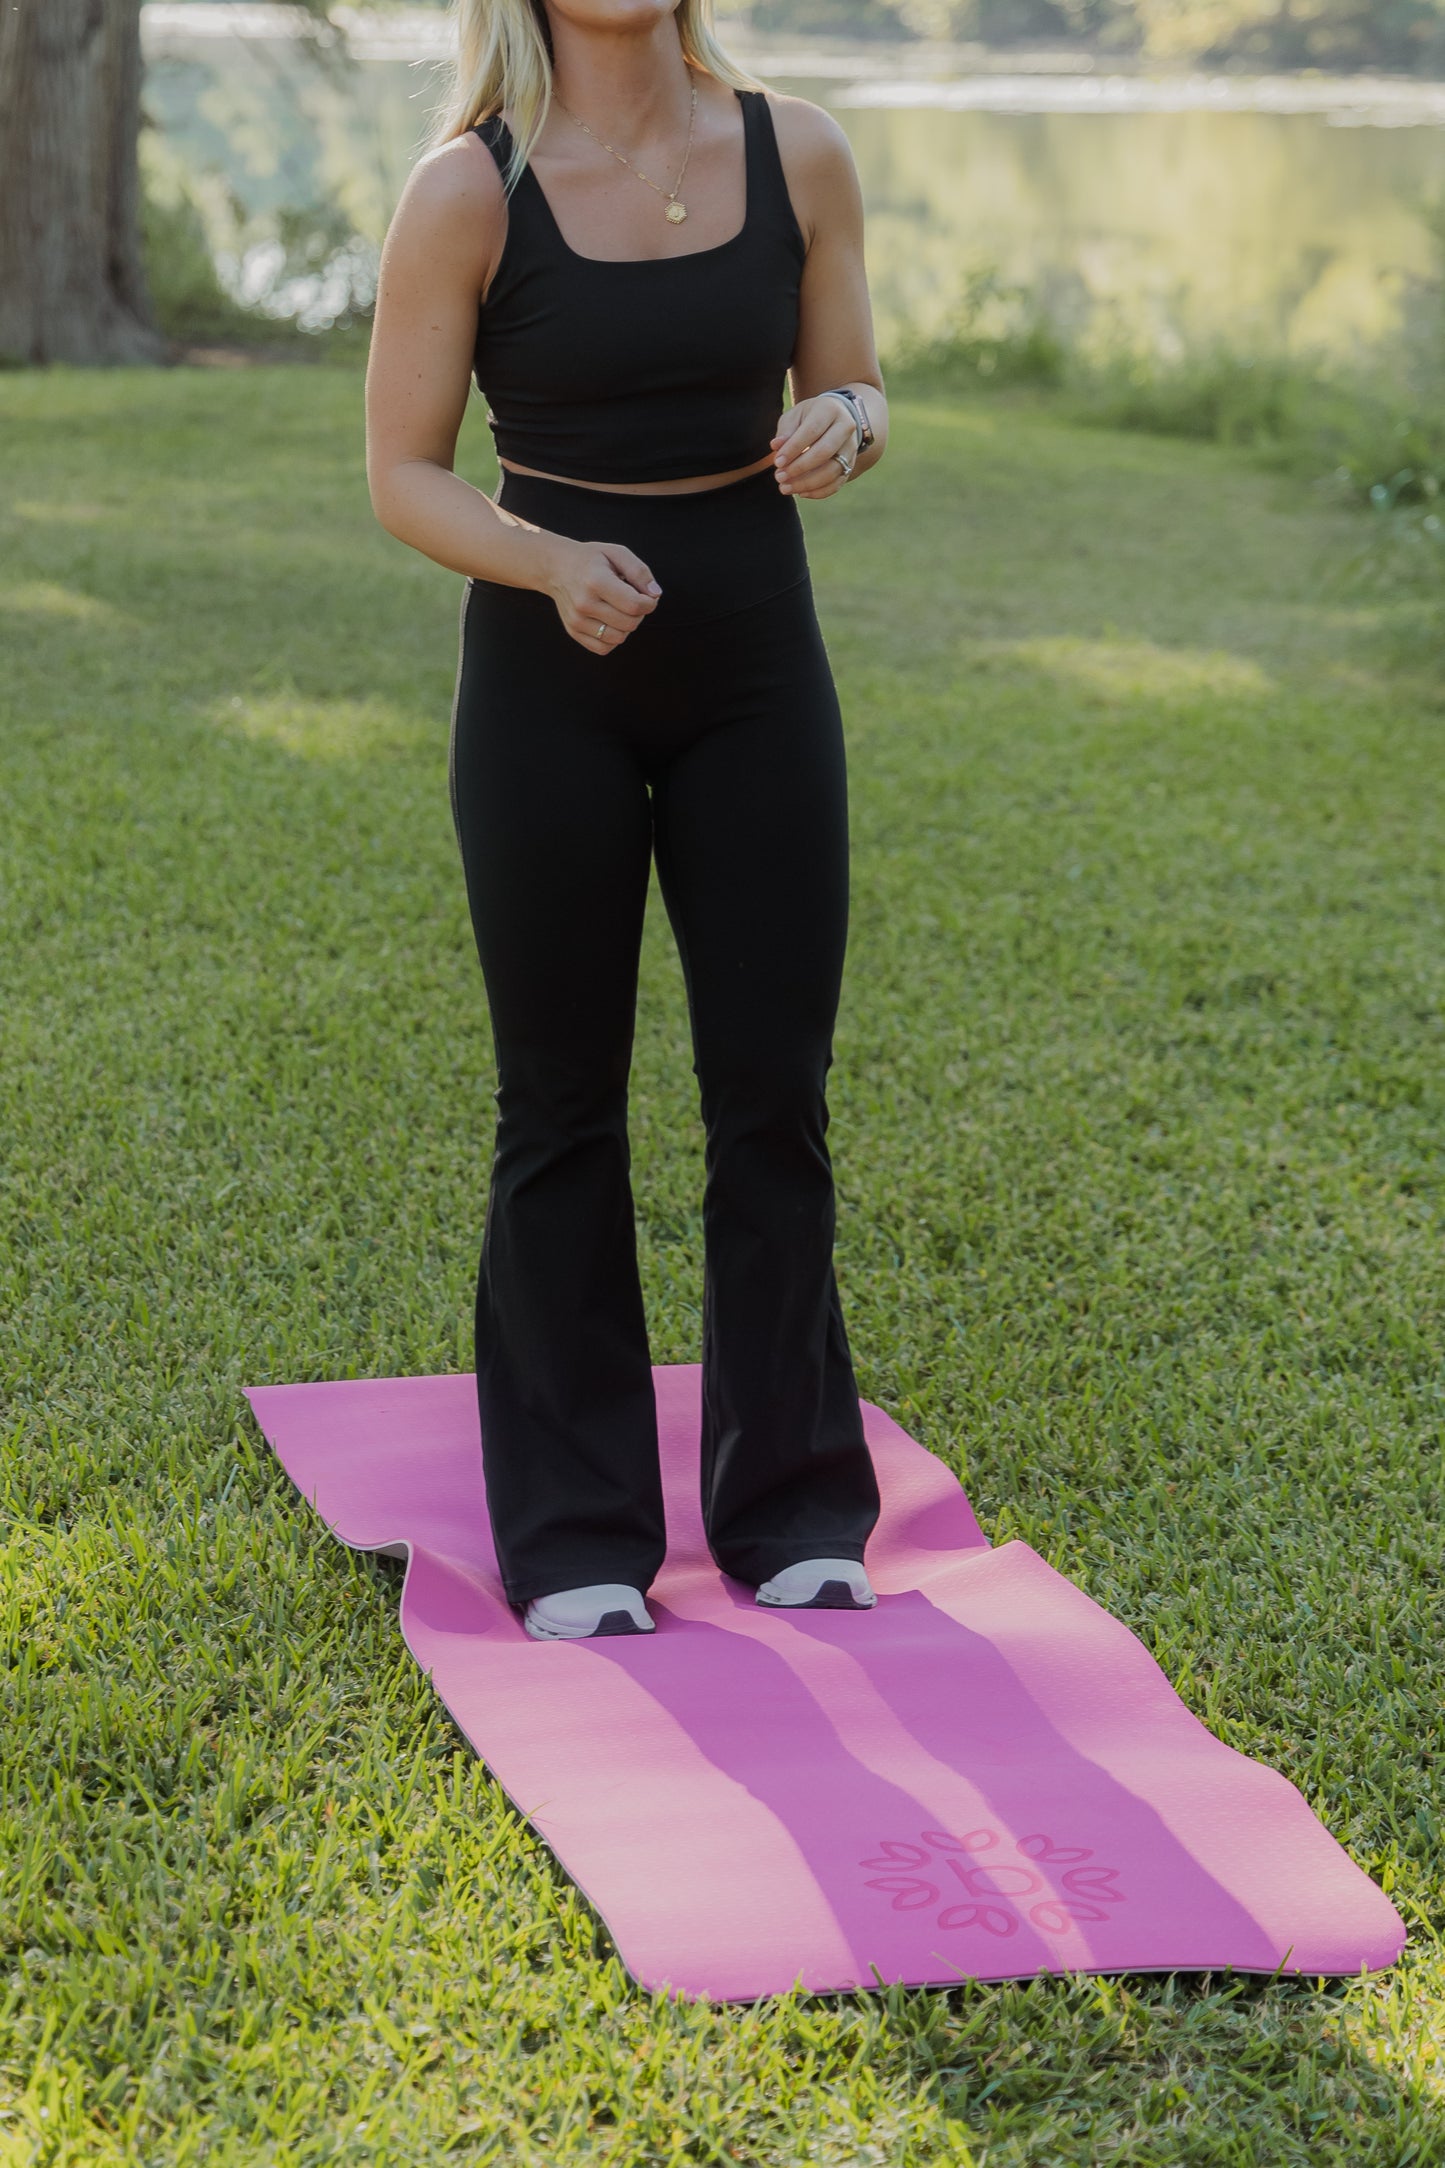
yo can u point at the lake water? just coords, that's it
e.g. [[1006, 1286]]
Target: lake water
[[1288, 210]]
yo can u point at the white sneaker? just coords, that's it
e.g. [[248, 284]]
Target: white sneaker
[[585, 1614], [820, 1584]]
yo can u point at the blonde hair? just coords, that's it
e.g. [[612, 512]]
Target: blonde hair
[[504, 57]]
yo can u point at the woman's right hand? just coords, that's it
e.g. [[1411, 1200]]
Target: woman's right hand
[[599, 583]]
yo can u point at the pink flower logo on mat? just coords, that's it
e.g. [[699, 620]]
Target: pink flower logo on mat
[[999, 1887]]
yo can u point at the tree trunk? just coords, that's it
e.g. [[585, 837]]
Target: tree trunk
[[72, 280]]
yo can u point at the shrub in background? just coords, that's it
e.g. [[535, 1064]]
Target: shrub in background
[[191, 305], [997, 336], [297, 282]]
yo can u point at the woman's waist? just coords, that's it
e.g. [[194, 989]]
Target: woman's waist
[[655, 428], [711, 550], [673, 486]]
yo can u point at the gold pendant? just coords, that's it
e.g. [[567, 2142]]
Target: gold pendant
[[675, 213]]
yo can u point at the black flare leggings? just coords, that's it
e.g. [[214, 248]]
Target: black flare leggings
[[711, 739]]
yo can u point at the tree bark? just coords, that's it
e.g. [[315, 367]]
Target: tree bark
[[72, 277]]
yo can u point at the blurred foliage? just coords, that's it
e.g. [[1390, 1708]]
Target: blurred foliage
[[1375, 430], [191, 304], [1214, 392], [293, 282], [1372, 434], [1407, 36], [1403, 35], [998, 335]]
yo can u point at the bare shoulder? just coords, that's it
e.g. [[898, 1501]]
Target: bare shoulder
[[809, 137], [453, 206], [818, 167]]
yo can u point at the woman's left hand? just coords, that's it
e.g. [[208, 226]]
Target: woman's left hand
[[809, 435]]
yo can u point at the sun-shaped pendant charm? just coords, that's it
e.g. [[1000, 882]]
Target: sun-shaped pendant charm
[[675, 213]]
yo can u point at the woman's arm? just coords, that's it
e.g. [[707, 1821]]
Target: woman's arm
[[442, 248], [835, 331]]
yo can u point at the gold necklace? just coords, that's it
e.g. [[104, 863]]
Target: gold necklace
[[676, 212]]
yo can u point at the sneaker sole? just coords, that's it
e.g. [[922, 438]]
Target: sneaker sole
[[831, 1596], [611, 1622]]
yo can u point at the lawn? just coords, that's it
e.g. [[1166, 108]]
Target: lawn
[[1137, 1118]]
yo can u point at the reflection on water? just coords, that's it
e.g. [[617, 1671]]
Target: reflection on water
[[1225, 211], [1246, 223]]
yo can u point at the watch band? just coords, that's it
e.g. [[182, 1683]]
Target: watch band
[[858, 411]]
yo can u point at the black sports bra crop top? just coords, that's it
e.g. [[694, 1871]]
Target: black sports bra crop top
[[641, 370]]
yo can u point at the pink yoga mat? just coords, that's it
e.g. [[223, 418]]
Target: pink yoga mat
[[986, 1777]]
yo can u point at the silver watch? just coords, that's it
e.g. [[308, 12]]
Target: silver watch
[[859, 413]]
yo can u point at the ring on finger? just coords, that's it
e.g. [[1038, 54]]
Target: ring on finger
[[845, 463], [601, 632]]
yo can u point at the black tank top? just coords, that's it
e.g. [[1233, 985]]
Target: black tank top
[[641, 370]]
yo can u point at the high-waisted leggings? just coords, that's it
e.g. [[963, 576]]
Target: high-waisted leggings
[[710, 739]]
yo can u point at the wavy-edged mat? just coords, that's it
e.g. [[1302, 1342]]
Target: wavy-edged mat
[[986, 1777]]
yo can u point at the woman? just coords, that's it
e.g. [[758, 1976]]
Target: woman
[[633, 243]]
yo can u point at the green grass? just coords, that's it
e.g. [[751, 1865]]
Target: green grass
[[1137, 1122]]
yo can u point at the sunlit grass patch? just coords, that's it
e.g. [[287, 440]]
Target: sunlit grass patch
[[48, 599], [63, 512], [1133, 669], [322, 729]]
